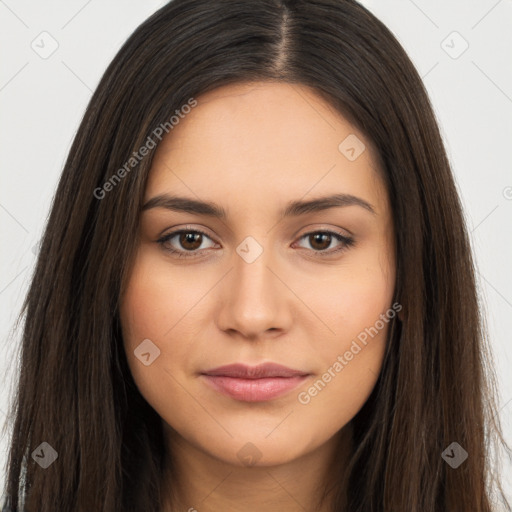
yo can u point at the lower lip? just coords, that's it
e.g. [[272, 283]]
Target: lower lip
[[254, 390]]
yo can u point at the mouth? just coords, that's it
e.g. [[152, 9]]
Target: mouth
[[254, 384]]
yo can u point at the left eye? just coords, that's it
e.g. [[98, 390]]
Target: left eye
[[321, 237], [191, 241]]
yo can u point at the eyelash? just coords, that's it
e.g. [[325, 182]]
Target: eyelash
[[346, 242]]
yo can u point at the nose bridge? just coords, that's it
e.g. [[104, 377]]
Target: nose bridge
[[253, 296], [252, 276]]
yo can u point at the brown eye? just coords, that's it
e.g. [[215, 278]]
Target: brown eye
[[320, 242], [188, 242]]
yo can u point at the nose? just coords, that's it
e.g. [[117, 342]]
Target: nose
[[255, 301]]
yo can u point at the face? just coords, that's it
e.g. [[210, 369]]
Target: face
[[306, 287]]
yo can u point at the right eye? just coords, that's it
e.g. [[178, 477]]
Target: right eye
[[190, 241]]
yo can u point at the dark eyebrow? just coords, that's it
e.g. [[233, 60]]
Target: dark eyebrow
[[296, 208], [292, 209], [185, 204]]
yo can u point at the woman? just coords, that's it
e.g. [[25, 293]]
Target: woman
[[188, 345]]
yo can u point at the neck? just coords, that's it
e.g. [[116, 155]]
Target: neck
[[197, 481]]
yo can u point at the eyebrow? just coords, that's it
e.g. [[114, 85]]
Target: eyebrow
[[292, 209]]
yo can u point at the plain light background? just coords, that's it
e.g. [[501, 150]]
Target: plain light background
[[462, 49]]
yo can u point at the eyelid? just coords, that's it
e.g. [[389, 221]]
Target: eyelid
[[187, 228], [319, 228]]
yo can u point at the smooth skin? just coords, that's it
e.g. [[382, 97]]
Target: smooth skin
[[252, 148]]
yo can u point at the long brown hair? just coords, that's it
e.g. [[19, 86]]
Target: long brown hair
[[75, 391]]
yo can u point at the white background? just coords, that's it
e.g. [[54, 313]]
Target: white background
[[42, 102]]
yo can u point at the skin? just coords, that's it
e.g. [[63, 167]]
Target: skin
[[251, 148]]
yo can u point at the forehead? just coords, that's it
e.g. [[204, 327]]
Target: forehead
[[264, 141]]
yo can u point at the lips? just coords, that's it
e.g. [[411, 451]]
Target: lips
[[254, 383]]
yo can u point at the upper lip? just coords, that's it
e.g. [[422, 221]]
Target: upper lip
[[260, 371]]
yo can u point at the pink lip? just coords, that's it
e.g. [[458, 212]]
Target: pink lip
[[256, 383]]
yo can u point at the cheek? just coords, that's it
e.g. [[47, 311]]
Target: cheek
[[353, 299], [357, 308], [153, 304], [165, 306]]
